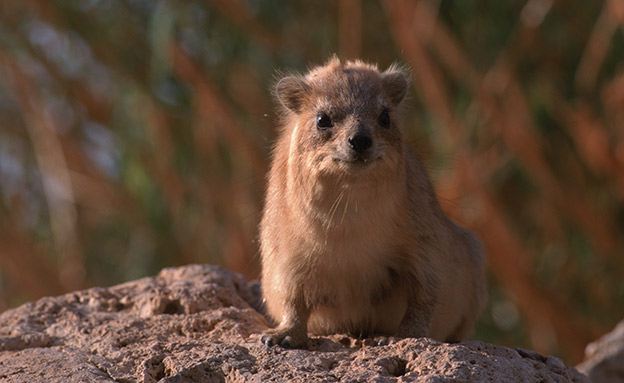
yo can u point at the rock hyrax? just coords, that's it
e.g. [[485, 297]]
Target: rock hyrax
[[353, 239]]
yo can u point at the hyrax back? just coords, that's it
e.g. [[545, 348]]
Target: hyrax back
[[352, 237]]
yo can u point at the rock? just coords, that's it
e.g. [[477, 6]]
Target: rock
[[604, 358], [202, 324]]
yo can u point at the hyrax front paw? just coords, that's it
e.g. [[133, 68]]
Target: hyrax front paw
[[287, 338]]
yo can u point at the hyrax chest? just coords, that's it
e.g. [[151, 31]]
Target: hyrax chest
[[354, 288], [349, 254]]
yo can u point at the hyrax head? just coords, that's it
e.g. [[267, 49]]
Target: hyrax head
[[343, 117]]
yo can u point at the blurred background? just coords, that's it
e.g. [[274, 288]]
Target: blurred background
[[135, 135]]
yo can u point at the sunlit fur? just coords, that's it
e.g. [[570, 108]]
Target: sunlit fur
[[359, 245]]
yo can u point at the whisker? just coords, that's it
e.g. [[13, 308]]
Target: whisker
[[334, 207], [344, 212]]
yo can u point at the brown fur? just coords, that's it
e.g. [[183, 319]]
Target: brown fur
[[357, 242]]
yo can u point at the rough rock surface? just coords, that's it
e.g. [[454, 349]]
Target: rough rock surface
[[604, 358], [201, 324]]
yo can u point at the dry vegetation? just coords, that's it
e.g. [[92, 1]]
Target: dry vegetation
[[136, 134]]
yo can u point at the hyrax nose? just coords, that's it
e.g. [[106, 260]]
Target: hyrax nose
[[360, 142]]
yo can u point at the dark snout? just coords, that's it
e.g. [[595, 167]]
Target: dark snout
[[360, 142], [357, 148]]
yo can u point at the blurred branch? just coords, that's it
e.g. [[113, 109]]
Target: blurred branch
[[93, 190], [598, 150], [508, 259], [350, 29], [99, 109], [239, 13], [500, 97], [597, 46], [160, 165], [54, 173], [25, 266], [215, 118], [520, 136], [213, 110], [246, 89]]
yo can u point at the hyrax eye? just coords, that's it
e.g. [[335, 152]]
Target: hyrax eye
[[384, 119], [323, 121]]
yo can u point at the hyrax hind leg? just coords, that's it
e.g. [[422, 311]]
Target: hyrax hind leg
[[292, 331], [416, 322], [462, 331]]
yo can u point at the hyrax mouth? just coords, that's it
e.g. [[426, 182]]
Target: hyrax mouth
[[354, 159]]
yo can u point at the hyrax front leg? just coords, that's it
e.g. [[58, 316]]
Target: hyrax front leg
[[292, 332]]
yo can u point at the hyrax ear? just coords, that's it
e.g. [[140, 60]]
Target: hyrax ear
[[395, 85], [291, 91]]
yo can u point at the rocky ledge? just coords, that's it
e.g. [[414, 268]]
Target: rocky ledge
[[202, 324]]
